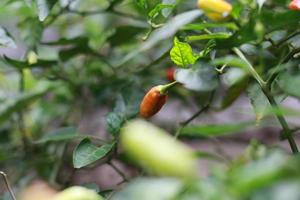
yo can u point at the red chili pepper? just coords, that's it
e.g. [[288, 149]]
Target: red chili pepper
[[153, 101], [294, 5], [170, 72]]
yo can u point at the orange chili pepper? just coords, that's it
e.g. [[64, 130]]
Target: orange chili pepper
[[153, 101]]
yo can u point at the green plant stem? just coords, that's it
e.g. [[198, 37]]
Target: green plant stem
[[250, 68], [21, 123], [266, 90], [280, 117], [61, 151], [164, 88], [8, 185], [186, 122], [118, 171]]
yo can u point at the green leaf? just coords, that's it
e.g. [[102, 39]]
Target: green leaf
[[290, 84], [9, 107], [208, 36], [23, 64], [208, 130], [44, 8], [114, 121], [182, 54], [142, 3], [81, 40], [258, 100], [231, 61], [261, 173], [157, 10], [168, 30], [208, 155], [86, 153], [150, 189], [234, 92], [31, 32], [202, 77], [61, 134], [202, 26], [124, 35], [5, 39]]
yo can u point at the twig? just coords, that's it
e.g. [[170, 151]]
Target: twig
[[21, 122], [118, 171], [55, 170], [8, 185]]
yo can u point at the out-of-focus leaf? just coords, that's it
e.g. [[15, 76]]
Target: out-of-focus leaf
[[11, 106], [200, 78], [114, 121], [280, 191], [234, 92], [142, 3], [91, 186], [150, 189], [279, 20], [182, 54], [44, 8], [158, 9], [258, 100], [86, 153], [165, 32], [208, 130], [61, 134], [68, 41], [31, 31], [22, 64], [231, 61], [208, 36], [290, 84], [67, 54], [124, 35], [208, 155], [261, 173], [202, 26], [5, 39]]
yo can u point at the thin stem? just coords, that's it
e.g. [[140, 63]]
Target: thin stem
[[186, 122], [285, 127], [21, 122], [118, 171], [55, 170], [164, 89], [250, 68], [268, 94], [8, 185]]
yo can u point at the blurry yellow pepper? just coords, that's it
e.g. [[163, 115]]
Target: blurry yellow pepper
[[77, 193], [216, 10], [156, 151]]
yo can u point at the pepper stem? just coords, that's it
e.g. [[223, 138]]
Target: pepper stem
[[164, 88]]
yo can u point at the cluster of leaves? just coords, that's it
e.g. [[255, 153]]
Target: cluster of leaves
[[71, 56]]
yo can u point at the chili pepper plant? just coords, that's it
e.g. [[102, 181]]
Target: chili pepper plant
[[133, 86]]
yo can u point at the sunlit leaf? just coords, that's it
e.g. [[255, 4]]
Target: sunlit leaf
[[182, 54]]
